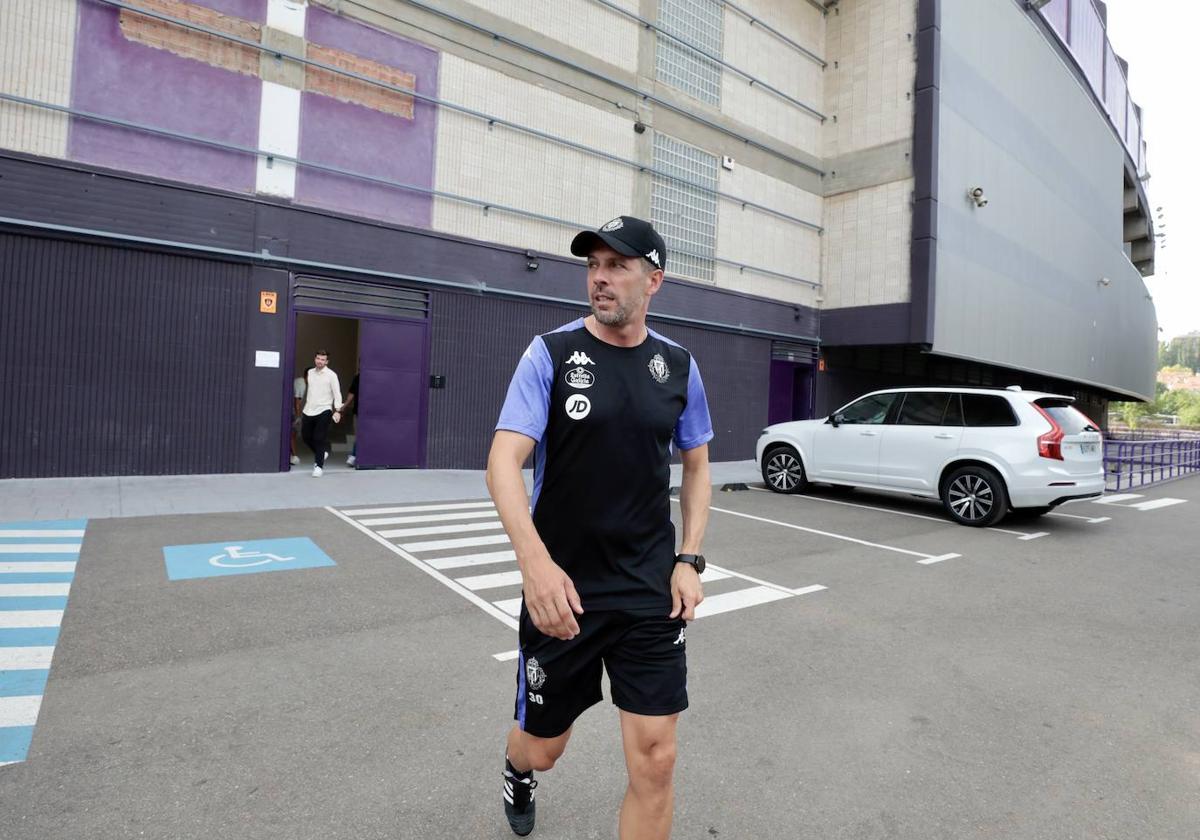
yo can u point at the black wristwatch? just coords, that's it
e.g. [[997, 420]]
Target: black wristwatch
[[696, 561]]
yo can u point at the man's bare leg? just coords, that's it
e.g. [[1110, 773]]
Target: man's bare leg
[[649, 802], [528, 752]]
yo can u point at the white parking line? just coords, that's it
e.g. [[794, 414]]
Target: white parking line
[[30, 618], [492, 581], [39, 548], [507, 656], [1034, 536], [511, 606], [465, 560], [38, 535], [465, 542], [1116, 498], [431, 517], [383, 511], [33, 590], [29, 567], [832, 535], [20, 711], [25, 658], [1092, 519], [442, 529], [1155, 504], [739, 598], [938, 519]]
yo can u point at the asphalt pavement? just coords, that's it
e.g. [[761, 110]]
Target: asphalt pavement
[[863, 669]]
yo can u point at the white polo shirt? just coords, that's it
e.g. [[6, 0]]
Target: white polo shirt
[[324, 392]]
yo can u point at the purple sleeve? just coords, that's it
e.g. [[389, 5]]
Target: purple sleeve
[[527, 406], [694, 427]]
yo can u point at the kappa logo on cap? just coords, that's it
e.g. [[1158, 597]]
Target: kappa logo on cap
[[653, 257], [615, 224]]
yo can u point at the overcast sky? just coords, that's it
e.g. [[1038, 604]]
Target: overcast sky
[[1158, 39]]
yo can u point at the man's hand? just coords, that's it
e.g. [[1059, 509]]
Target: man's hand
[[550, 598], [686, 591], [337, 417]]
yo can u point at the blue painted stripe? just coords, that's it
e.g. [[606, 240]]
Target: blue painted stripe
[[14, 742], [34, 602], [7, 540], [36, 577], [521, 690], [23, 683], [28, 636], [45, 525]]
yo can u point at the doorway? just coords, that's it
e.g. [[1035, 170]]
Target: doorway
[[377, 335]]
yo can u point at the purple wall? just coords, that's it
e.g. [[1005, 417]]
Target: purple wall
[[361, 139], [119, 78]]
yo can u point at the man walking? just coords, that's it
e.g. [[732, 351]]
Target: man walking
[[600, 402], [322, 404]]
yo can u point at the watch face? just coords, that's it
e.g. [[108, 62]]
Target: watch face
[[700, 563]]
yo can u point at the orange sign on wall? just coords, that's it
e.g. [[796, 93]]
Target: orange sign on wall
[[266, 302]]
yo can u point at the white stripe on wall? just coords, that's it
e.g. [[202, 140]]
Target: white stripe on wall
[[279, 132]]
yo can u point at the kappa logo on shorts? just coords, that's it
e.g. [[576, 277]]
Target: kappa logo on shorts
[[658, 369], [580, 378], [579, 358], [534, 675], [578, 406], [682, 640]]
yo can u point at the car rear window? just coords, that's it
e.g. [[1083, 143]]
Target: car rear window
[[1072, 420], [923, 409], [987, 410]]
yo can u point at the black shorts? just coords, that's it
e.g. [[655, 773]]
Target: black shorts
[[645, 656]]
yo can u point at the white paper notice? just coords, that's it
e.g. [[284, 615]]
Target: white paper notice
[[266, 358]]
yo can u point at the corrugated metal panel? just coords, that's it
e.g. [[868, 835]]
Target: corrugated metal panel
[[786, 351], [477, 343], [119, 362]]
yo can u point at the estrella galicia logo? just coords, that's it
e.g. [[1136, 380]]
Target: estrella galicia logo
[[578, 406], [534, 675], [658, 369], [580, 378], [579, 358]]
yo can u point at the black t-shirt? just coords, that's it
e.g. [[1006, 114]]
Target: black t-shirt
[[604, 418], [354, 391]]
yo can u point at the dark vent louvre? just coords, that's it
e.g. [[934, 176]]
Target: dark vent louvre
[[357, 298], [783, 351]]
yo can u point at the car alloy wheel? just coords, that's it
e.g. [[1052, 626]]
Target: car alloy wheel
[[783, 472], [975, 496]]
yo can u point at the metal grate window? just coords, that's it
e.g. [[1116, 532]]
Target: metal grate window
[[698, 22], [684, 215]]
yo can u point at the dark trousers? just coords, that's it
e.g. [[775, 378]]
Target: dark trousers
[[315, 431]]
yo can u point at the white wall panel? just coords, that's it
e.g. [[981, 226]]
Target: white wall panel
[[37, 49]]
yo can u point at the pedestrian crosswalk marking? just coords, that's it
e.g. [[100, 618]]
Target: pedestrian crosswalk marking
[[443, 519], [37, 564]]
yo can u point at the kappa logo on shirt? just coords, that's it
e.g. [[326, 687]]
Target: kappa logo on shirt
[[579, 358]]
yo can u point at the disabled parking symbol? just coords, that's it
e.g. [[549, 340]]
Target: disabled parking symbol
[[242, 557]]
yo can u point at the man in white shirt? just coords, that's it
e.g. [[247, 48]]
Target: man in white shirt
[[322, 404]]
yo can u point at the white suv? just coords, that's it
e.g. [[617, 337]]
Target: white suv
[[982, 452]]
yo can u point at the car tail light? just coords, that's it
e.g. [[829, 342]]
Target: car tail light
[[1050, 444]]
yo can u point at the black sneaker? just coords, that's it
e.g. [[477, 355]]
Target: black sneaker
[[519, 806]]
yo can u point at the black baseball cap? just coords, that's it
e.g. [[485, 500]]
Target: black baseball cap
[[625, 235]]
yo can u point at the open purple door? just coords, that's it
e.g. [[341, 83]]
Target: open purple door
[[392, 385]]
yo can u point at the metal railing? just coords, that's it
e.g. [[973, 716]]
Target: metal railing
[[1140, 458]]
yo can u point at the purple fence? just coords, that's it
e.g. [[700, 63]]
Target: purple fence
[[1139, 458]]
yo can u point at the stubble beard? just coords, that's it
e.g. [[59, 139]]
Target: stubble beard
[[619, 315]]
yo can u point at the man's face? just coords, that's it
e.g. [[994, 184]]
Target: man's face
[[618, 286], [320, 360]]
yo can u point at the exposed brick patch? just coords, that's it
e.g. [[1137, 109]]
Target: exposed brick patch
[[188, 43], [347, 89]]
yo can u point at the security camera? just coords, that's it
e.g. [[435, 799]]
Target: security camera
[[976, 195]]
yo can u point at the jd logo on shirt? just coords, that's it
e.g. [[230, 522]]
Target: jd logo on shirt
[[578, 406]]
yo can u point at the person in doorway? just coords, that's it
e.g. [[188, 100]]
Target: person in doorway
[[299, 389], [600, 401], [322, 406], [351, 406]]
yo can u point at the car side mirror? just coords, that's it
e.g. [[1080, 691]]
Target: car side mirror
[[837, 420]]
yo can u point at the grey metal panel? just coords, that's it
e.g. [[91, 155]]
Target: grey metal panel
[[119, 362], [1019, 281], [478, 341]]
